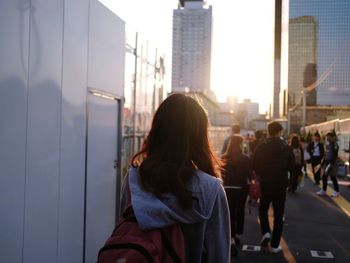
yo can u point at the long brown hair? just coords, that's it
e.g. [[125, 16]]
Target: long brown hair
[[176, 145], [234, 148], [295, 141]]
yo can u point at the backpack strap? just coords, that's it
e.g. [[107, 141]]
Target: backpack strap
[[129, 214], [169, 247]]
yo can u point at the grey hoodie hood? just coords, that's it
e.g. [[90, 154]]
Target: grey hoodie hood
[[152, 212]]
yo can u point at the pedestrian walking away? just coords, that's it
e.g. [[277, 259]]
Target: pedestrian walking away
[[316, 151], [259, 137], [348, 151], [329, 165], [272, 161], [235, 130], [236, 173], [298, 153], [254, 192], [304, 142], [174, 180]]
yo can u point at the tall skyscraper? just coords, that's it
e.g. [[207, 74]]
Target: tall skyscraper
[[302, 59], [192, 41], [277, 59], [315, 52]]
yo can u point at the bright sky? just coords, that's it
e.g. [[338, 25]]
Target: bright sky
[[243, 37]]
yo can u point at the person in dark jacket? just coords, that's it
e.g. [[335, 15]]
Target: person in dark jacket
[[259, 137], [298, 153], [348, 151], [272, 161], [316, 151], [329, 165], [235, 130], [235, 175]]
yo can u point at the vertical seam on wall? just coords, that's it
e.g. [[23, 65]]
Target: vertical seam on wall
[[86, 131], [60, 138], [120, 132], [26, 140]]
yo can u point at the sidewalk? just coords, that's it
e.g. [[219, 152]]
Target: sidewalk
[[344, 200], [312, 222], [344, 187]]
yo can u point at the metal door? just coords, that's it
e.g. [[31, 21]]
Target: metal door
[[102, 170]]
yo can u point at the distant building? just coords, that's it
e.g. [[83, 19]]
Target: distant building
[[192, 40], [275, 107], [247, 111], [315, 57], [274, 110], [230, 105], [317, 114], [209, 104], [260, 123], [302, 59], [228, 111], [226, 119]]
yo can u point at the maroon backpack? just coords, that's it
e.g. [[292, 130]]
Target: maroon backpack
[[254, 190], [128, 243]]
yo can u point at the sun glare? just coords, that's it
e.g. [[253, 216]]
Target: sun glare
[[243, 50]]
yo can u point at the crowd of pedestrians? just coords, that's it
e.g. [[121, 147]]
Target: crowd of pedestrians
[[280, 165], [176, 180], [270, 159]]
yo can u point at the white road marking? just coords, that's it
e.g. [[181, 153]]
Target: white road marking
[[321, 254], [251, 248]]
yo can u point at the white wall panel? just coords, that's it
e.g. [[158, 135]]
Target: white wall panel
[[44, 58], [106, 50], [14, 40], [101, 174], [72, 165], [43, 133]]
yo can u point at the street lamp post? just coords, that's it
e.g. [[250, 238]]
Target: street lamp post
[[288, 121], [303, 92]]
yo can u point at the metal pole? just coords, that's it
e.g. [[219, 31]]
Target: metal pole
[[155, 83], [288, 122], [134, 98], [304, 108]]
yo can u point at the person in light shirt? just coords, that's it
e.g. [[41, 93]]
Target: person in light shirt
[[348, 151], [316, 151], [329, 165]]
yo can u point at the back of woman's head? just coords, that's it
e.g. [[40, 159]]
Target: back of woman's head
[[177, 144], [295, 142], [234, 148]]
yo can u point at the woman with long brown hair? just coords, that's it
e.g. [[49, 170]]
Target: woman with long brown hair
[[235, 175], [298, 153], [175, 179]]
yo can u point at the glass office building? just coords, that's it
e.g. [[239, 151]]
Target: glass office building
[[315, 52]]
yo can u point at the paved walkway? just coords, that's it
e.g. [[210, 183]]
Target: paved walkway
[[312, 222]]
